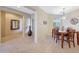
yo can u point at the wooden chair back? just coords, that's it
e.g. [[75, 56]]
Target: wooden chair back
[[71, 33]]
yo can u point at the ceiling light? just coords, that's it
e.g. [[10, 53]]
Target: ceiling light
[[63, 15]]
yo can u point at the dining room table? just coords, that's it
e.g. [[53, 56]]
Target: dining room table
[[62, 34]]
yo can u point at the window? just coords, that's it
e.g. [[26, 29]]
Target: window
[[57, 22]]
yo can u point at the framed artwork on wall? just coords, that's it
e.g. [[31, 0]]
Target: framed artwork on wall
[[74, 21], [44, 22], [15, 24]]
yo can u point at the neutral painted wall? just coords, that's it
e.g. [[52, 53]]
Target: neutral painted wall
[[2, 23], [69, 16], [51, 18], [43, 30], [6, 31], [8, 18]]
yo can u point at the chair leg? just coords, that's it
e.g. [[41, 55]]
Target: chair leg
[[73, 43], [69, 43], [56, 40]]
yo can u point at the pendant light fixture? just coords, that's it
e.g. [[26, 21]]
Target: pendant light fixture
[[63, 14], [63, 17]]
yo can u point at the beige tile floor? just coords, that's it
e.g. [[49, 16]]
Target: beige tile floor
[[26, 45]]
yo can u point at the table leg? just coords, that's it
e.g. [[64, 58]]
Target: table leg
[[62, 39]]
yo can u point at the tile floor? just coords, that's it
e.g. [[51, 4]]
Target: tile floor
[[26, 45]]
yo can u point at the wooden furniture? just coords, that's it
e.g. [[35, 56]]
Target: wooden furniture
[[77, 38], [69, 38], [55, 34], [52, 32], [68, 34], [62, 37]]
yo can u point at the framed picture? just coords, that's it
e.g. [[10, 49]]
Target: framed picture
[[15, 24], [44, 22], [74, 21]]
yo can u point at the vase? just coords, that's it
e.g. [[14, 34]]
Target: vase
[[30, 31]]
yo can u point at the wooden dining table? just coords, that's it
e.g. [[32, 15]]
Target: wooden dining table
[[77, 37], [62, 34]]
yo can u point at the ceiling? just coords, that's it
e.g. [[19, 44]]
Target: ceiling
[[58, 9], [17, 9]]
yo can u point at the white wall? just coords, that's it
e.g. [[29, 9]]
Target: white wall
[[69, 16], [28, 23], [21, 26], [43, 30]]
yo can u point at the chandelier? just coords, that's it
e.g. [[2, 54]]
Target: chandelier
[[63, 14]]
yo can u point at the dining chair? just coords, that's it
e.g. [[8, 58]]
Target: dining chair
[[55, 34], [70, 37]]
